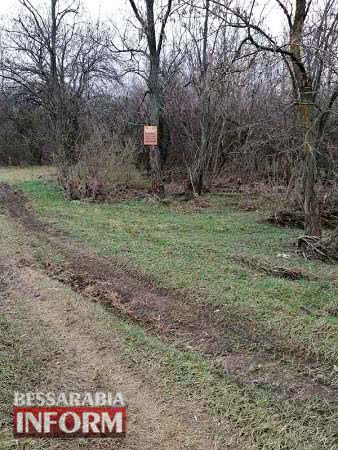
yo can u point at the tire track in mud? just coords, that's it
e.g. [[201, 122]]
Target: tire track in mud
[[74, 351]]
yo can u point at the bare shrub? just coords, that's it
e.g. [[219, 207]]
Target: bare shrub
[[290, 212], [105, 166]]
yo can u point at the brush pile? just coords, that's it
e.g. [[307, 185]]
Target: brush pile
[[324, 248]]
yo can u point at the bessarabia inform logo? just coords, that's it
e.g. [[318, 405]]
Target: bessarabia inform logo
[[69, 415]]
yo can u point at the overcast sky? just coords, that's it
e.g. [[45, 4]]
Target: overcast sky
[[105, 8], [118, 8]]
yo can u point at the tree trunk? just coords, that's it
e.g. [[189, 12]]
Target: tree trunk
[[305, 88], [312, 221], [197, 181], [157, 186], [54, 91], [198, 175]]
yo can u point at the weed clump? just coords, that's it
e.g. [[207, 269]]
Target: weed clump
[[106, 167]]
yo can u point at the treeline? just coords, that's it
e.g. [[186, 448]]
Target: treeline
[[231, 97]]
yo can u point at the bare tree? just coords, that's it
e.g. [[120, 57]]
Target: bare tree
[[307, 69], [200, 36], [211, 65], [51, 56], [155, 36]]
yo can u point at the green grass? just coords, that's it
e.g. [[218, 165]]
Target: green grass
[[190, 250], [253, 413], [193, 250]]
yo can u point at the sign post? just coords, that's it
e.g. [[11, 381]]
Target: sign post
[[150, 136]]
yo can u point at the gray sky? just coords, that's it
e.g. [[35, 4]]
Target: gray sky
[[118, 8], [105, 8]]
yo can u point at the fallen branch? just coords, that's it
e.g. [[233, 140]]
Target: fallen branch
[[259, 265], [323, 248]]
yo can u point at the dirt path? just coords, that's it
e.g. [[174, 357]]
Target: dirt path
[[76, 350]]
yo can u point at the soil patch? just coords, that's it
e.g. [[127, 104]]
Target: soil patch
[[70, 350]]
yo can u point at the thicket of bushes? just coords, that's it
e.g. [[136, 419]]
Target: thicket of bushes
[[239, 102]]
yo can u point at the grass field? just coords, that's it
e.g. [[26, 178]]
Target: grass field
[[192, 250], [197, 252]]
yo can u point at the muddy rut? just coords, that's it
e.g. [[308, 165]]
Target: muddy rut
[[66, 337], [228, 335]]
